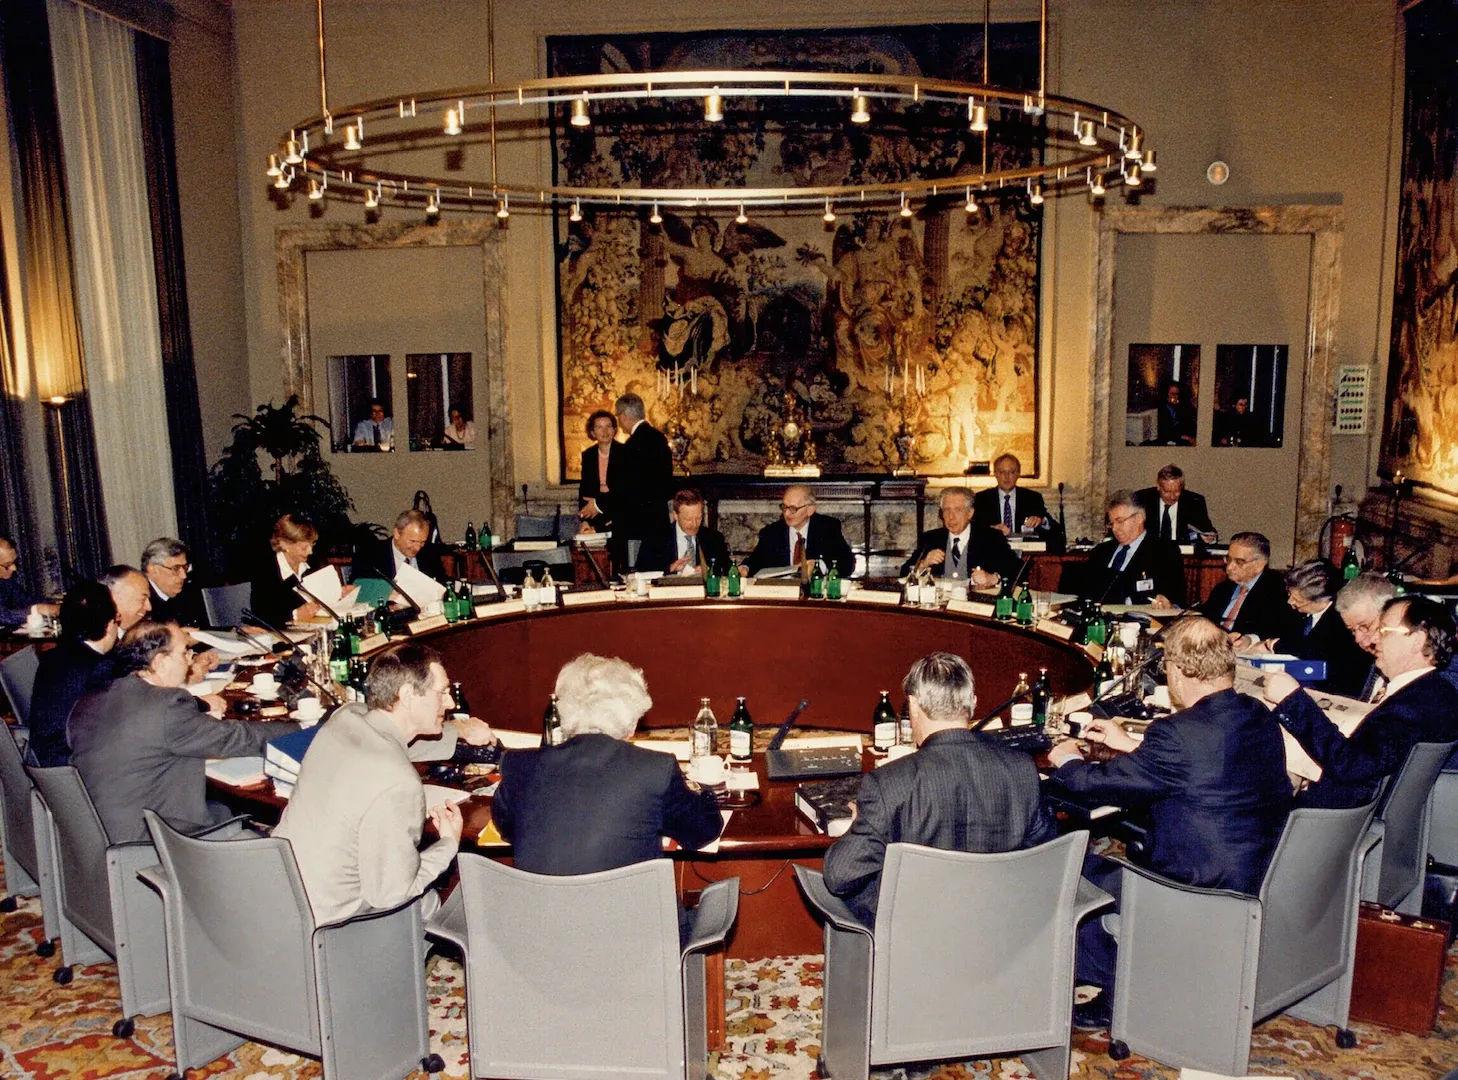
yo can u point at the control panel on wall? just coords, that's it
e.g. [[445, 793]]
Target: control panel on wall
[[1349, 407]]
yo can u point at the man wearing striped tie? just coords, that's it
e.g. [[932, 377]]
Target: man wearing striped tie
[[687, 546]]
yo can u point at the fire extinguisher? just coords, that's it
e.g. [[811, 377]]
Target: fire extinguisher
[[1338, 536]]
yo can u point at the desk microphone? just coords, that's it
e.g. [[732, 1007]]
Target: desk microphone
[[980, 724], [291, 669], [1123, 679], [249, 616], [779, 739]]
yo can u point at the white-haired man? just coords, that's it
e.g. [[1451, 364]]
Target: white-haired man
[[597, 802]]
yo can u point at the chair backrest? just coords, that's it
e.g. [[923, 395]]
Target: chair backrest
[[17, 676], [1309, 904], [573, 976], [81, 852], [15, 787], [998, 959], [241, 926], [1405, 813], [224, 605], [542, 526]]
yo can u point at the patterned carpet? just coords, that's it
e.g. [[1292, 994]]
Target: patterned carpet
[[50, 1032]]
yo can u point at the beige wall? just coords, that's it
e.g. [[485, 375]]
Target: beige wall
[[1296, 96]]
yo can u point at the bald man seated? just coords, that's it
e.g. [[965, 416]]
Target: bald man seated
[[801, 535]]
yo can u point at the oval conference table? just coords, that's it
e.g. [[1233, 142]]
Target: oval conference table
[[837, 655]]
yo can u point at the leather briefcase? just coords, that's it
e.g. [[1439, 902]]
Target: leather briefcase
[[1398, 970]]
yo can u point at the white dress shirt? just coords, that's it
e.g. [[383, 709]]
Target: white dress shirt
[[962, 540]]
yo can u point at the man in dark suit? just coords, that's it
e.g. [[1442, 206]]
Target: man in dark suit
[[1172, 513], [1176, 420], [596, 802], [1414, 645], [174, 598], [958, 792], [1208, 784], [1134, 567], [688, 546], [1359, 603], [16, 602], [1251, 602], [641, 481], [1320, 633], [801, 535], [961, 548], [1007, 507], [141, 743], [89, 632], [405, 546]]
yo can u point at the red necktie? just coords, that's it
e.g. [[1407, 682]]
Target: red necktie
[[1229, 621], [799, 550]]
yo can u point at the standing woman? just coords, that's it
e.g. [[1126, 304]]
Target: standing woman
[[274, 597], [598, 465]]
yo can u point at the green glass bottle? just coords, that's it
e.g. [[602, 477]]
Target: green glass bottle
[[470, 536], [1351, 565], [832, 583], [817, 582], [552, 725], [883, 724], [1025, 606], [352, 629], [1093, 629], [484, 541], [339, 658], [382, 618], [1006, 606], [735, 582], [1042, 694], [741, 735], [711, 580]]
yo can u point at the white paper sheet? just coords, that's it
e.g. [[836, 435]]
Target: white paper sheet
[[422, 590]]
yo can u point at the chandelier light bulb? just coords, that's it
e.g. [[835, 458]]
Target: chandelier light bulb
[[656, 218], [452, 125], [1035, 193], [576, 214], [971, 206], [284, 178], [1135, 147], [372, 199], [316, 190], [713, 106], [1086, 133], [829, 215], [503, 211], [291, 152], [1148, 164], [979, 118], [860, 107], [273, 166], [1134, 177], [741, 218], [1096, 185], [579, 113], [905, 209], [432, 204], [351, 137]]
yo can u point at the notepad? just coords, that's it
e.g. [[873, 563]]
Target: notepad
[[518, 740], [238, 771], [435, 795]]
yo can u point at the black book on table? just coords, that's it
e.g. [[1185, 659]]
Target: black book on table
[[827, 803]]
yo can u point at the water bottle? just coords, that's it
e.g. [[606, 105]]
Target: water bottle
[[706, 731]]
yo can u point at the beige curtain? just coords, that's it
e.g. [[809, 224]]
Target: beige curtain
[[96, 94]]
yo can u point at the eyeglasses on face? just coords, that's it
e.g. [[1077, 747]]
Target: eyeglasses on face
[[1117, 521], [1231, 560], [1403, 630], [790, 506], [180, 569]]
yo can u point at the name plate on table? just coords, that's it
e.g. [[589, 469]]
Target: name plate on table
[[1055, 628], [584, 599], [764, 590], [675, 592], [373, 642], [430, 622], [875, 596], [972, 607], [1027, 547], [506, 607]]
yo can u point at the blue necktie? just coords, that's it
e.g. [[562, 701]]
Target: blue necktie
[[956, 554], [1007, 509], [1119, 557]]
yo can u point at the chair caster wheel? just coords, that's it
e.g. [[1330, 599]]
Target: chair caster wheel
[[124, 1028], [46, 948], [433, 1063], [1346, 1039], [9, 904], [63, 976], [820, 1069], [1118, 1049]]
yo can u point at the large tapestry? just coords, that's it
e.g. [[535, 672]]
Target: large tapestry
[[1420, 434], [869, 325]]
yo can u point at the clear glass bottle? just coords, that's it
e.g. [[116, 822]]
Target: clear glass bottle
[[705, 731]]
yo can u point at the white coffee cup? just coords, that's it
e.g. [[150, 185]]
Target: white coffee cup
[[1129, 634], [265, 683], [35, 620], [708, 771], [309, 708], [1078, 722]]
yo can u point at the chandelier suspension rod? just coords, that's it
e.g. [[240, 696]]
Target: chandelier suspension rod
[[491, 78], [323, 82]]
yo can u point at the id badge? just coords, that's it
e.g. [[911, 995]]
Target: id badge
[[1144, 585]]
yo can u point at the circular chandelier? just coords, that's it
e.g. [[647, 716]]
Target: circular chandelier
[[1069, 146]]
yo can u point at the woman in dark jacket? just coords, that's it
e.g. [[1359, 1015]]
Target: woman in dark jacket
[[593, 490]]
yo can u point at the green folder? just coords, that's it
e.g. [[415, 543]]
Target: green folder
[[372, 590]]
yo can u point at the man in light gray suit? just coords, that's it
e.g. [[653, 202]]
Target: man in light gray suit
[[142, 743], [958, 792], [358, 810]]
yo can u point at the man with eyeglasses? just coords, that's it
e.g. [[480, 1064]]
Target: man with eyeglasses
[[16, 603], [801, 535], [1135, 567], [1251, 602], [165, 562], [1414, 643], [1359, 603]]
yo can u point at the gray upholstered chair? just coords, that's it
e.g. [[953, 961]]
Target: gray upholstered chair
[[106, 913], [225, 603], [30, 861], [1199, 967], [1443, 825], [17, 676], [971, 954], [584, 976], [249, 962], [1393, 874]]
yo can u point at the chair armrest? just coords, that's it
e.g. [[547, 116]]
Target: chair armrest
[[832, 907], [156, 878], [714, 917], [224, 830], [1088, 899], [1178, 886]]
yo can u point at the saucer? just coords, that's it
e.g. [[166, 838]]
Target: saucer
[[264, 695], [310, 718]]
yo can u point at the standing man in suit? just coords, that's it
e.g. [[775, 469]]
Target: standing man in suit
[[641, 486], [174, 598], [597, 802], [141, 743], [1208, 784], [1414, 645], [407, 545], [688, 546], [958, 792], [961, 549], [89, 632], [1007, 507], [801, 535], [1319, 632], [1250, 604], [1174, 514], [1134, 567], [358, 810]]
